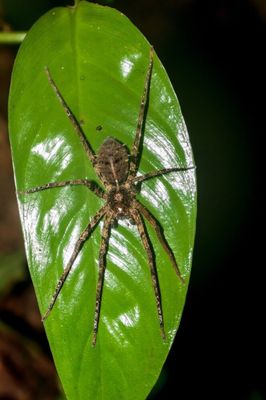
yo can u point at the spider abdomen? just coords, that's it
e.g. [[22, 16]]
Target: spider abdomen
[[112, 162]]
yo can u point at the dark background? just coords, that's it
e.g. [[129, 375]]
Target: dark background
[[214, 54]]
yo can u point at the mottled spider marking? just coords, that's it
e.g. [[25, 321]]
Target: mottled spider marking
[[111, 162]]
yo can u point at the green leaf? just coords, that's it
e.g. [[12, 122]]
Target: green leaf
[[99, 60]]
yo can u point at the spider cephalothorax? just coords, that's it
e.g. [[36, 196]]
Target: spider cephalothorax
[[121, 200], [117, 170]]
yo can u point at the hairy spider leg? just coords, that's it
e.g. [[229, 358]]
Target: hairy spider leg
[[156, 226], [151, 261], [105, 234], [86, 145], [80, 242], [139, 130], [163, 171], [85, 182]]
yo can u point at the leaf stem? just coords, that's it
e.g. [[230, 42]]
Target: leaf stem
[[12, 37], [76, 3]]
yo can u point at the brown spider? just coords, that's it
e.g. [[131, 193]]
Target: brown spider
[[117, 171]]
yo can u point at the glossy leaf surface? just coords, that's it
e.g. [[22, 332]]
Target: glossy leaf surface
[[99, 59]]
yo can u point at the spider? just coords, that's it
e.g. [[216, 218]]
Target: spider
[[117, 171]]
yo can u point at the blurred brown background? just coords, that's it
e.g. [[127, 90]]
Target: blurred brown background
[[214, 54]]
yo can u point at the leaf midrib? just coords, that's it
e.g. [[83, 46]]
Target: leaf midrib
[[73, 19]]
